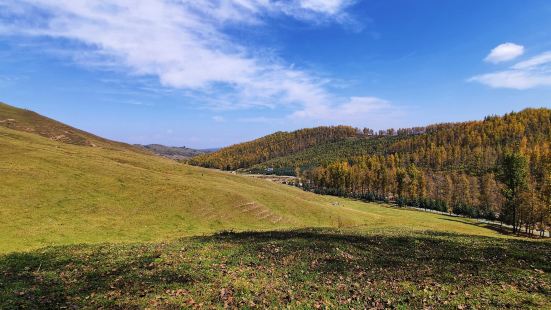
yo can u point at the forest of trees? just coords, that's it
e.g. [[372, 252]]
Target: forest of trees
[[386, 178], [464, 168], [327, 153], [279, 144]]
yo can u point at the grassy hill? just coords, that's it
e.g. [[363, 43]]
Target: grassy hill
[[32, 122], [103, 224], [56, 193]]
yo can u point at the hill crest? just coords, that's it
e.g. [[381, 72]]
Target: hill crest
[[29, 121]]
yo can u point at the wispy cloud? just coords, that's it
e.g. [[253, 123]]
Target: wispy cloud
[[186, 46], [531, 73], [218, 119], [355, 107], [10, 79], [370, 112], [358, 111], [504, 52], [534, 62], [183, 43]]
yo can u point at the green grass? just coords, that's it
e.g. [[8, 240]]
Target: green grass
[[278, 269], [29, 121], [54, 193], [106, 226]]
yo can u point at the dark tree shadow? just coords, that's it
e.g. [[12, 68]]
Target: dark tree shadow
[[503, 230], [61, 276]]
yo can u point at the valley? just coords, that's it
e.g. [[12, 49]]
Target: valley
[[275, 154], [144, 231]]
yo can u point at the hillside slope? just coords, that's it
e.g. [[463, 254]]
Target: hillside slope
[[174, 152], [57, 193], [448, 167], [326, 153], [278, 144], [32, 122], [54, 193], [471, 147]]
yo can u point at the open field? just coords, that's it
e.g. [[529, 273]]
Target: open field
[[296, 269]]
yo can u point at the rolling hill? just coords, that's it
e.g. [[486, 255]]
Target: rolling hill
[[278, 144], [325, 154], [464, 143], [449, 167], [32, 122], [58, 192], [174, 152], [99, 224]]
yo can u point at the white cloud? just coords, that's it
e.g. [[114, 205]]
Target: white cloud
[[10, 79], [369, 112], [183, 43], [351, 111], [218, 119], [534, 72], [515, 79], [534, 62], [504, 52]]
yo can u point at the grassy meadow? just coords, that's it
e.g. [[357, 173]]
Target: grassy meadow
[[54, 193], [92, 226], [304, 269]]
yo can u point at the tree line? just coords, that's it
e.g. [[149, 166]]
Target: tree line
[[507, 193], [498, 168], [279, 144], [451, 167]]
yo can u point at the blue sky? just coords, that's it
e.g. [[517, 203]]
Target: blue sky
[[216, 72]]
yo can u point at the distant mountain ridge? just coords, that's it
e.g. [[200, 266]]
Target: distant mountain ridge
[[175, 152]]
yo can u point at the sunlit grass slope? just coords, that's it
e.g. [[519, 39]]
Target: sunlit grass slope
[[29, 121], [57, 193]]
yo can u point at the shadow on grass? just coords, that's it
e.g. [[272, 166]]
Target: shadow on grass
[[78, 275], [60, 276], [503, 230], [440, 247]]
